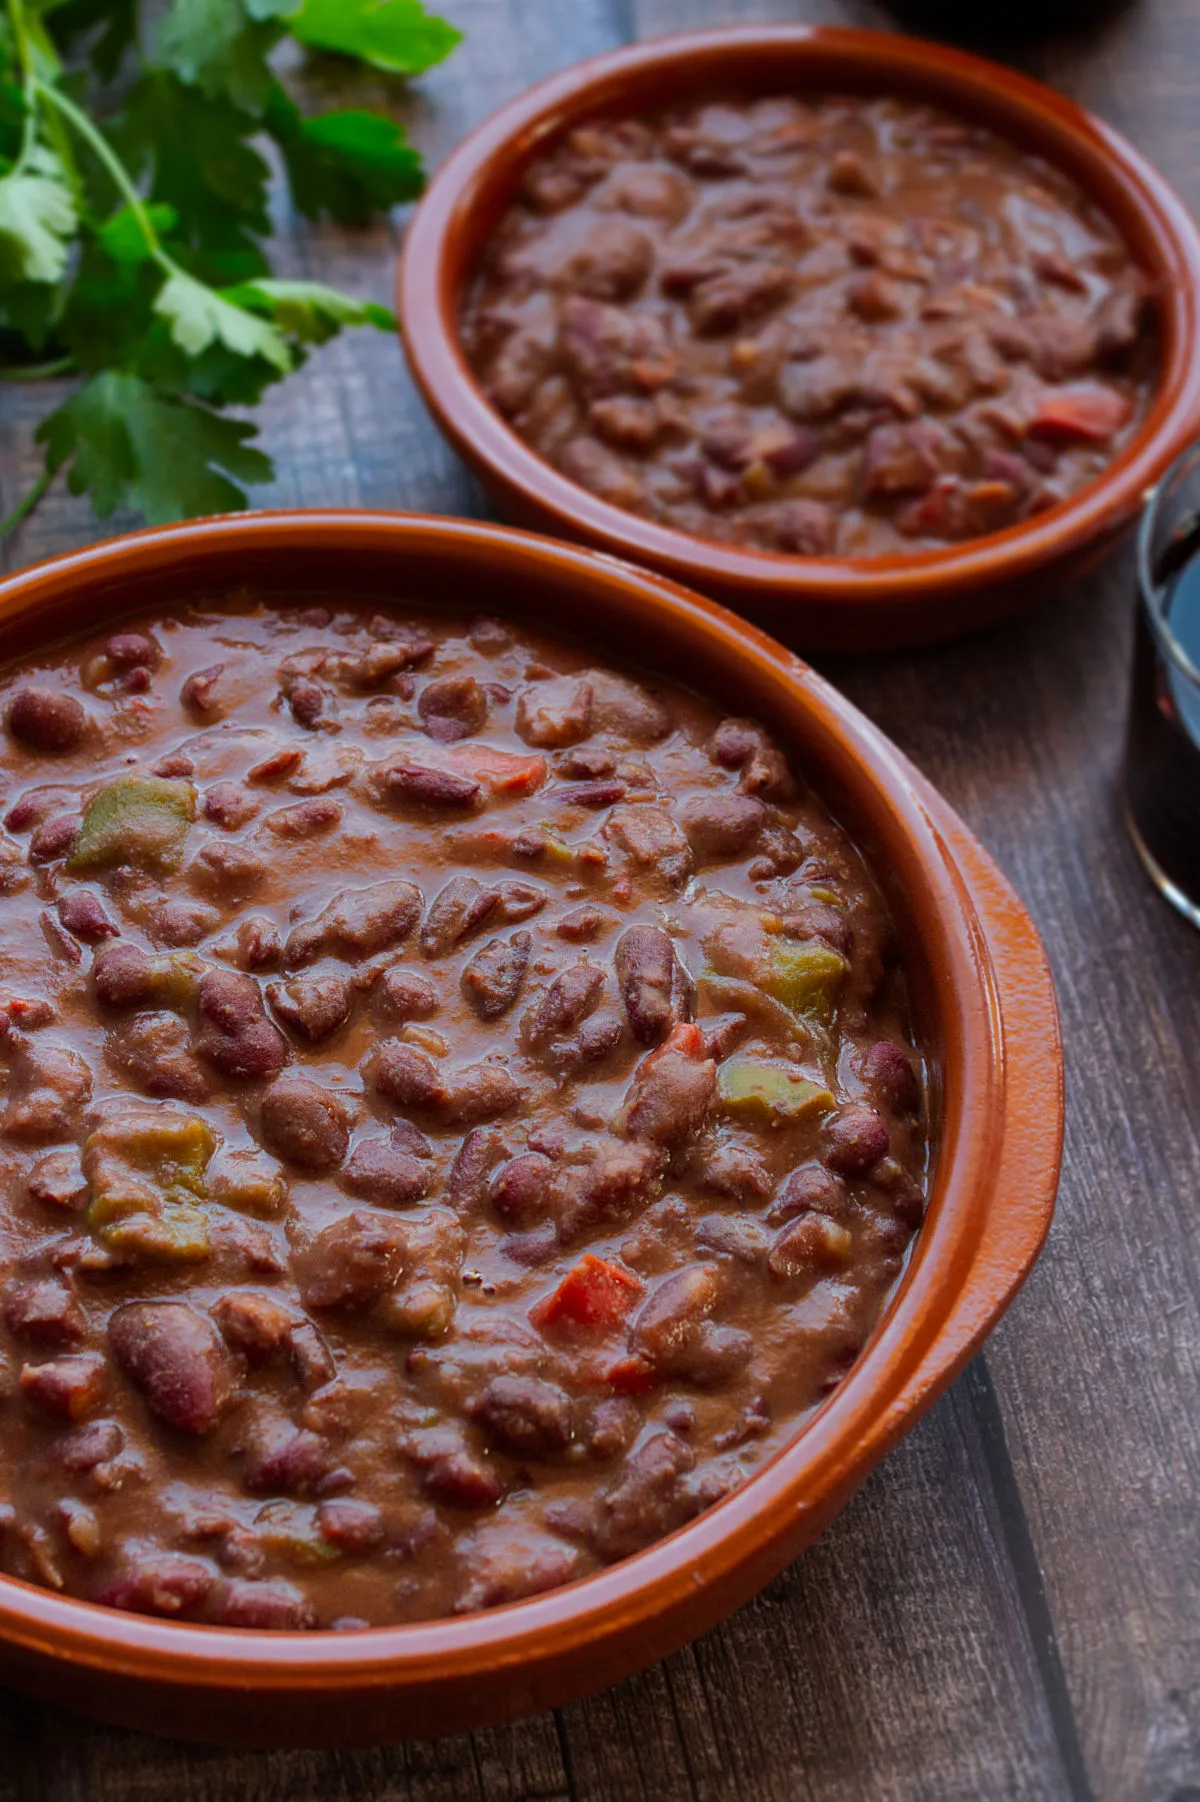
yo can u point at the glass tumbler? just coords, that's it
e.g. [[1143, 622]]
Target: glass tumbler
[[1162, 749]]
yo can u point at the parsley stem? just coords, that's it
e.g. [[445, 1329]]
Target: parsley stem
[[37, 372], [111, 162], [20, 32], [27, 503]]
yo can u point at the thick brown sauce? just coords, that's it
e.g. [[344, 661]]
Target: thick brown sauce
[[838, 325], [267, 1354]]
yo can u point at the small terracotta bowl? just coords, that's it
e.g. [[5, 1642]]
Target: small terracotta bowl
[[984, 1016], [825, 603]]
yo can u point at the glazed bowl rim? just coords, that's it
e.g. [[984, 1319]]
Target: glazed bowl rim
[[441, 244], [870, 1407]]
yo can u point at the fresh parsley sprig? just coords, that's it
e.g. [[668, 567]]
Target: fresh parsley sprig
[[134, 225]]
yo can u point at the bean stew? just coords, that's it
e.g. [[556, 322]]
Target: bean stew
[[812, 325], [459, 1112]]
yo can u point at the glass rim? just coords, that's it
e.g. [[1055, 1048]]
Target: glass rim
[[1151, 591]]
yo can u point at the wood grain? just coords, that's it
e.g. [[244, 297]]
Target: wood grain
[[1009, 1609]]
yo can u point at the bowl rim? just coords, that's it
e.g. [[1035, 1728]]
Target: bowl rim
[[442, 241], [970, 1257]]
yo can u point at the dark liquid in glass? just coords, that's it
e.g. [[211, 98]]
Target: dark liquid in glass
[[1162, 765]]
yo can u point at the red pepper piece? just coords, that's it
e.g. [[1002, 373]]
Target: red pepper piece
[[1085, 415], [594, 1293]]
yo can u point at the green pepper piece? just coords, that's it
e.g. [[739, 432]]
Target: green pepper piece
[[146, 1172], [139, 820], [805, 977], [291, 1531], [769, 1091]]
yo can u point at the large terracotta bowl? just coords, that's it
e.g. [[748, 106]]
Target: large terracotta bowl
[[815, 603], [985, 1017]]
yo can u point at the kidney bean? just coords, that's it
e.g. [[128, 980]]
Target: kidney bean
[[161, 1583], [806, 527], [351, 1262], [352, 1526], [61, 944], [767, 775], [152, 1051], [618, 1181], [133, 650], [610, 352], [304, 1125], [57, 1180], [522, 1190], [417, 785], [254, 1323], [743, 1240], [855, 1138], [307, 819], [176, 1359], [655, 988], [647, 1500], [234, 1034], [408, 1076], [46, 719], [480, 1092], [887, 1070], [572, 994], [477, 1156], [722, 825], [52, 1084], [809, 1190], [258, 944], [458, 910], [84, 1450], [653, 840], [68, 1387], [43, 1311], [198, 694], [357, 923], [737, 1171], [525, 1416], [313, 1007], [402, 994], [227, 873], [175, 766], [176, 923], [452, 1471], [264, 1606], [555, 712], [282, 1459], [516, 901], [613, 262], [307, 702], [668, 1319], [388, 1171], [809, 919], [454, 707], [83, 914], [814, 1245], [228, 805], [492, 980], [54, 839], [672, 1091]]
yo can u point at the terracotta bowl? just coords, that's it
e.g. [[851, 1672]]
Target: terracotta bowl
[[824, 603], [985, 1017]]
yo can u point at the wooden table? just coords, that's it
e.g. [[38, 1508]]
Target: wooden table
[[1011, 1607]]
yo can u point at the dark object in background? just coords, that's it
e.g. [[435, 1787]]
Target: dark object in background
[[996, 21], [1162, 755]]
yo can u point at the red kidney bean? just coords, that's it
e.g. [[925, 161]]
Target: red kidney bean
[[387, 1171], [176, 1359], [814, 1245], [453, 708], [524, 1416], [522, 1190], [618, 1181], [357, 923], [408, 1076], [122, 976], [83, 914], [555, 712], [307, 819], [304, 1125], [401, 994], [647, 1499], [805, 527], [57, 1180], [492, 980], [672, 1091], [809, 1190], [855, 1138], [228, 805], [655, 989], [582, 925], [737, 1171], [234, 1034], [413, 784], [572, 994], [307, 702], [162, 1583], [351, 1262], [313, 1007], [477, 1156], [133, 650], [42, 1311], [54, 839], [268, 1606], [46, 719], [887, 1069], [452, 1471], [228, 873], [724, 825], [653, 840], [458, 910], [259, 946], [67, 1388], [152, 1051], [198, 694], [282, 1459]]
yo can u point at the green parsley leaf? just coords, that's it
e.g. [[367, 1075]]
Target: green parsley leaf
[[121, 236], [348, 165], [128, 446], [198, 316], [214, 45], [396, 35], [195, 155], [37, 218], [309, 311]]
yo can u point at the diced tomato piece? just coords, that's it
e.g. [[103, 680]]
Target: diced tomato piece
[[629, 1375], [594, 1293], [1085, 415], [501, 772]]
